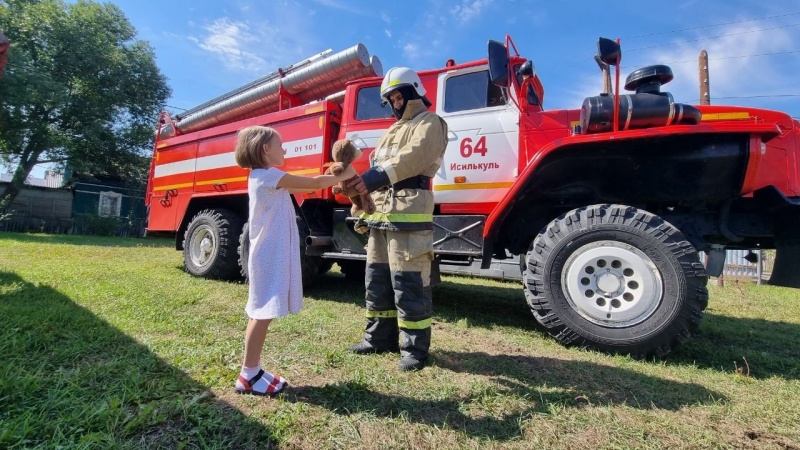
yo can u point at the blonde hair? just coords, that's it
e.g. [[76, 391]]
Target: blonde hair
[[250, 144]]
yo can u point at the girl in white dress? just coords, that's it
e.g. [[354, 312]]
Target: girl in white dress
[[274, 264]]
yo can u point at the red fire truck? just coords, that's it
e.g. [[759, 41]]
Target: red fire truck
[[600, 210]]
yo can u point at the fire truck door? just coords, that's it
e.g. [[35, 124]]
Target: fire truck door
[[480, 163]]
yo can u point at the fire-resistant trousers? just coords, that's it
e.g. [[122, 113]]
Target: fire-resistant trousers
[[398, 291]]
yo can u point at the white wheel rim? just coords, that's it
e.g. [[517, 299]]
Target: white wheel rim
[[612, 284], [203, 246]]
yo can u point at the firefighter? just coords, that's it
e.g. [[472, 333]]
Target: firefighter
[[400, 244]]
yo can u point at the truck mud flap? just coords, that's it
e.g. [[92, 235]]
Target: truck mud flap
[[786, 214], [786, 272]]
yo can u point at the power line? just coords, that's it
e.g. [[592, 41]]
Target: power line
[[713, 37], [762, 96], [175, 107], [712, 26], [718, 59], [697, 28], [742, 97]]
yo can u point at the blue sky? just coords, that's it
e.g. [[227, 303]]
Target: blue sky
[[207, 48]]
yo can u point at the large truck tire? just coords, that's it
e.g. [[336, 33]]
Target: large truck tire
[[244, 251], [616, 279], [310, 266], [210, 244]]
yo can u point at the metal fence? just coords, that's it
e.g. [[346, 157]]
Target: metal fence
[[747, 264], [23, 222]]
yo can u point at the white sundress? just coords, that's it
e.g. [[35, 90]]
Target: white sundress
[[276, 287]]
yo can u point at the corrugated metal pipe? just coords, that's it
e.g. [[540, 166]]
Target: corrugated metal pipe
[[310, 82]]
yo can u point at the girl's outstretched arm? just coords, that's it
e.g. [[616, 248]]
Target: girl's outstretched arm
[[297, 184]]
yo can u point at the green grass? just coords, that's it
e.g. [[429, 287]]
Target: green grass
[[107, 343]]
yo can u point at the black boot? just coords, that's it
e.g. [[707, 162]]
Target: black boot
[[380, 336], [365, 348], [411, 364]]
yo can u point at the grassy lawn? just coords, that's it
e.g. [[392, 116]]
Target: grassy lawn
[[107, 343]]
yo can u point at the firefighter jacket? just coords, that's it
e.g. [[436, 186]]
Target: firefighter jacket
[[404, 160]]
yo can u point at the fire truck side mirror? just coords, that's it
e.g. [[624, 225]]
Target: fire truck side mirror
[[609, 51], [498, 63]]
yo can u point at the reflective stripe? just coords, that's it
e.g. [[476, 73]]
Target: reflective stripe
[[382, 314], [398, 217], [418, 325]]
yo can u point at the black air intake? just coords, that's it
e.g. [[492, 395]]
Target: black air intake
[[648, 107], [635, 111]]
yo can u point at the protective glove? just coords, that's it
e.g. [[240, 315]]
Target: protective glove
[[360, 226]]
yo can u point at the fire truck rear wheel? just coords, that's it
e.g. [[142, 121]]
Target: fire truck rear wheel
[[616, 279], [310, 266], [244, 250], [210, 244]]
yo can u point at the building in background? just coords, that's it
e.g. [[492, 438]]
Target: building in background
[[107, 197], [75, 204]]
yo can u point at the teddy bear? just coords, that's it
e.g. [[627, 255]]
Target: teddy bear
[[344, 153]]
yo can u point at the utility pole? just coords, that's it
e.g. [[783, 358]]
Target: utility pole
[[705, 91], [606, 75], [705, 99]]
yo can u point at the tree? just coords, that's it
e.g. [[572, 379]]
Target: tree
[[79, 89], [3, 47]]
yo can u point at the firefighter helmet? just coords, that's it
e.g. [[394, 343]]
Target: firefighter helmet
[[398, 77]]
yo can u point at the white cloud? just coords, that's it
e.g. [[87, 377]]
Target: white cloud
[[388, 33], [411, 51], [469, 9], [228, 41], [386, 18], [342, 6], [424, 44], [729, 74], [255, 45]]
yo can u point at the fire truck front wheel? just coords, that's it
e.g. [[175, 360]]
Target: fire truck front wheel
[[616, 279], [210, 244]]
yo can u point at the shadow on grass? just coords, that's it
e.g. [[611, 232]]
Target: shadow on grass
[[333, 286], [723, 343], [545, 385], [498, 304], [69, 379], [453, 299], [762, 347], [70, 239]]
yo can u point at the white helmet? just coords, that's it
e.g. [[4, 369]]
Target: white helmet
[[398, 77]]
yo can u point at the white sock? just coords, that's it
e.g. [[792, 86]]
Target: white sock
[[261, 385], [249, 372]]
